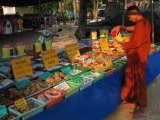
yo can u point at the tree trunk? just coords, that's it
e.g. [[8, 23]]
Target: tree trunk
[[61, 13], [75, 7], [81, 31], [95, 9]]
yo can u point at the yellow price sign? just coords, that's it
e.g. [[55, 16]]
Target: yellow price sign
[[99, 67], [72, 50], [50, 58], [97, 57], [21, 67], [108, 62], [19, 103], [104, 44]]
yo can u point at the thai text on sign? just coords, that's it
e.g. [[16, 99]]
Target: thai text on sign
[[21, 67], [104, 44], [50, 58], [72, 50]]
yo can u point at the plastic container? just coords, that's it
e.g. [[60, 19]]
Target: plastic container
[[109, 72], [17, 114], [118, 66], [75, 88], [54, 101], [33, 53], [37, 46], [19, 43], [15, 93], [31, 112], [20, 49], [83, 85], [7, 45], [93, 34], [96, 78], [7, 50]]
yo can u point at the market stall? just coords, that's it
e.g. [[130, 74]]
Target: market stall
[[80, 82], [98, 100]]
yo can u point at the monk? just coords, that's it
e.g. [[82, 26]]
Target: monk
[[137, 49]]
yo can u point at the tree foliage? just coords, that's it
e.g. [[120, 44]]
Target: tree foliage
[[44, 8]]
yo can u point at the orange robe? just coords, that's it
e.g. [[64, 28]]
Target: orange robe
[[137, 49]]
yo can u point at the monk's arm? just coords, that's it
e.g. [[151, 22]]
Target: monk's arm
[[127, 28]]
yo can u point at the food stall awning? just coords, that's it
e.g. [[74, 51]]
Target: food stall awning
[[16, 3]]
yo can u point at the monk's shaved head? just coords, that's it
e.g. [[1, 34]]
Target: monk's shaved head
[[133, 10]]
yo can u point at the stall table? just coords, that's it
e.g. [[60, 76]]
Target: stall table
[[98, 100]]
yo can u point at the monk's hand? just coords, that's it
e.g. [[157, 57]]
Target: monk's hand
[[116, 28]]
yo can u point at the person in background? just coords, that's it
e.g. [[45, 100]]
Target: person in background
[[58, 17], [72, 16], [137, 49]]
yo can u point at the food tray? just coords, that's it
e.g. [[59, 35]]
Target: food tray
[[54, 101], [31, 112], [18, 115], [48, 86], [82, 86], [75, 88], [109, 71], [12, 102], [97, 78], [83, 69], [117, 66]]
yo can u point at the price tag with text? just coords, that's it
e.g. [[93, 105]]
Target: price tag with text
[[50, 58], [45, 75], [97, 57], [108, 62], [76, 78], [66, 70], [99, 67], [19, 103], [21, 67], [72, 50], [22, 83], [104, 44], [3, 110]]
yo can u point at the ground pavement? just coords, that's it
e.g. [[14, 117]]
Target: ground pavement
[[66, 36]]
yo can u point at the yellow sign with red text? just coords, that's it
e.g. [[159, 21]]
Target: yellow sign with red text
[[50, 58], [21, 67], [72, 50]]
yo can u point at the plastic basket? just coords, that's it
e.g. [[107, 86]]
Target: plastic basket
[[82, 86], [117, 66], [18, 115], [31, 112], [54, 101], [75, 88], [83, 69], [109, 72], [97, 78], [12, 102]]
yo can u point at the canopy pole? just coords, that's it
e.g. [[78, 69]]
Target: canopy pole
[[152, 21], [123, 15]]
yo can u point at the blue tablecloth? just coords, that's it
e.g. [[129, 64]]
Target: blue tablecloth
[[98, 100]]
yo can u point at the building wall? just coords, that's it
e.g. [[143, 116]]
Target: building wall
[[8, 10], [13, 10], [22, 10]]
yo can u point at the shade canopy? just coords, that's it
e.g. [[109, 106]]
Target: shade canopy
[[16, 3]]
